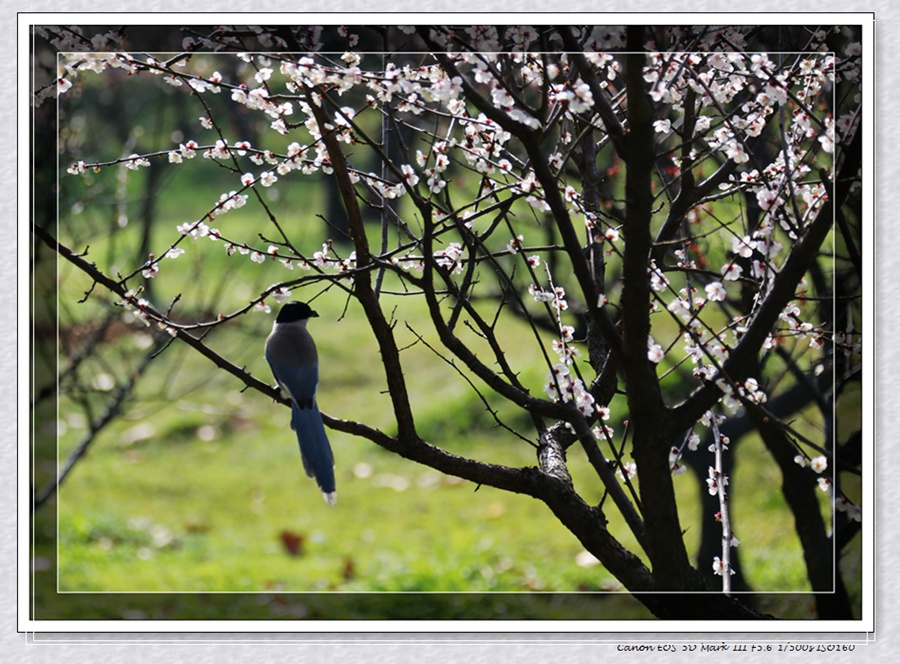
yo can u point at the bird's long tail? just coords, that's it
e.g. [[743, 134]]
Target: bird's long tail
[[318, 460]]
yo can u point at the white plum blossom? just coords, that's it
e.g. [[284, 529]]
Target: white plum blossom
[[674, 457], [735, 151], [231, 201], [281, 294], [658, 281], [320, 258], [714, 480], [136, 161], [199, 85], [540, 295], [218, 151], [557, 381], [819, 464], [451, 257], [841, 504], [188, 149], [239, 94], [720, 567], [580, 97], [715, 291], [743, 247], [584, 400], [768, 199], [195, 229], [566, 353], [693, 441], [556, 161], [502, 98], [561, 385], [753, 392], [435, 183], [409, 174], [559, 298], [538, 203], [731, 272], [680, 306], [628, 470], [528, 183]]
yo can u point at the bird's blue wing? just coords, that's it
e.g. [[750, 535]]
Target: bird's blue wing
[[300, 383]]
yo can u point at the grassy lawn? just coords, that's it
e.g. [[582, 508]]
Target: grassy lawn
[[200, 494], [198, 488]]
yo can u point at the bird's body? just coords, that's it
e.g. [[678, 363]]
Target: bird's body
[[292, 356]]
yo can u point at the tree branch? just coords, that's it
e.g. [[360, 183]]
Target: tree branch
[[611, 122], [362, 285], [118, 289], [743, 356], [648, 414]]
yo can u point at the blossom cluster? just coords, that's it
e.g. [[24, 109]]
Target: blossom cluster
[[736, 95], [563, 385]]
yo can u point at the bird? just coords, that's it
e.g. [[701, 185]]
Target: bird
[[292, 356]]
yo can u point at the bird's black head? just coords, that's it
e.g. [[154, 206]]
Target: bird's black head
[[294, 311]]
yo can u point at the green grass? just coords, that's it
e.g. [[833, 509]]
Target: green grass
[[193, 493], [194, 488], [175, 511]]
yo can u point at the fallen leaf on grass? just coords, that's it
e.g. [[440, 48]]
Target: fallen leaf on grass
[[293, 542]]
